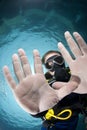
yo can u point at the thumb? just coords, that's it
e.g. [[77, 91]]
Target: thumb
[[58, 85], [69, 87]]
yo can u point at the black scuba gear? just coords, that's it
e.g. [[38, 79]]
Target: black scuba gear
[[61, 74], [56, 64]]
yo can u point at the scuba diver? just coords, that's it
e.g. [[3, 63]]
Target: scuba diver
[[64, 115], [38, 98], [55, 65]]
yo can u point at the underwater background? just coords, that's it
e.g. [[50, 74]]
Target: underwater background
[[31, 24]]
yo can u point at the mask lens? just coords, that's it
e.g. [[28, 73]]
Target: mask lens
[[58, 60], [49, 64]]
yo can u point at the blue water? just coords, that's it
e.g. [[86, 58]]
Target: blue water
[[32, 28]]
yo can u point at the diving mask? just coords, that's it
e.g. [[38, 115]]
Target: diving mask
[[58, 60]]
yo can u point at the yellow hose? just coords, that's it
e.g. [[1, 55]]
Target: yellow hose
[[50, 114]]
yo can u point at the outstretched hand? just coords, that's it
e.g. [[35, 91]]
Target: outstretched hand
[[32, 89], [32, 92], [77, 62]]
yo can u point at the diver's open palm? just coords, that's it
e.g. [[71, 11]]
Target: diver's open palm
[[77, 63], [32, 93]]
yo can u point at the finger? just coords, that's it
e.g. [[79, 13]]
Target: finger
[[73, 45], [17, 67], [69, 87], [82, 44], [9, 77], [24, 62], [37, 62], [58, 85], [65, 53], [66, 89]]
